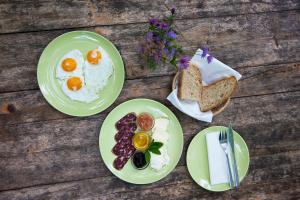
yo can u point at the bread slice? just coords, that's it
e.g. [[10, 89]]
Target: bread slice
[[216, 93], [190, 83]]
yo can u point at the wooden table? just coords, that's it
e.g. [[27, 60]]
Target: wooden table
[[45, 154]]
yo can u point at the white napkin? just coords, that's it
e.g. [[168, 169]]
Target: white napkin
[[216, 159], [211, 72]]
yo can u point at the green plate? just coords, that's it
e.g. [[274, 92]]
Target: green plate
[[83, 41], [107, 142], [197, 161]]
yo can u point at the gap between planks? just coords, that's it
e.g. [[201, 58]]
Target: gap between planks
[[168, 104], [173, 73]]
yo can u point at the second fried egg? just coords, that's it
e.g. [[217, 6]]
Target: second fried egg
[[98, 68]]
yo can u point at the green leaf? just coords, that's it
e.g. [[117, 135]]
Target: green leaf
[[147, 156], [156, 145], [174, 65], [152, 28], [170, 39], [151, 63], [173, 61], [155, 151]]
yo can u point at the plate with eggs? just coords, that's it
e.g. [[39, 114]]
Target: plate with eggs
[[80, 73], [141, 141]]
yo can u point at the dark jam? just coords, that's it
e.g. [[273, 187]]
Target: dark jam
[[139, 160]]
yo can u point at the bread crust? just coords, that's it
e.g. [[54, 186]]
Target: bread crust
[[186, 73], [223, 100], [179, 91]]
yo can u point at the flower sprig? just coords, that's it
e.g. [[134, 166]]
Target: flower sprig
[[204, 53], [160, 44]]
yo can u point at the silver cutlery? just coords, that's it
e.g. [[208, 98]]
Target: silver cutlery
[[224, 144], [231, 142]]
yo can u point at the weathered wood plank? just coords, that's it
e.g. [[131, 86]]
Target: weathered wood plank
[[269, 79], [58, 151], [16, 16], [250, 40], [178, 185], [30, 106]]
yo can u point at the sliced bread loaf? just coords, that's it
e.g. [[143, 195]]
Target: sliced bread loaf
[[190, 83], [216, 93]]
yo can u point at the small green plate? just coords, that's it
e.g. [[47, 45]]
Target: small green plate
[[197, 161], [107, 141], [83, 41]]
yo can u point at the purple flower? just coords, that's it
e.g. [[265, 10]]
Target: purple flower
[[166, 51], [173, 9], [209, 59], [157, 57], [172, 34], [172, 52], [183, 62], [156, 38], [205, 52], [164, 41], [163, 26], [153, 21], [149, 36]]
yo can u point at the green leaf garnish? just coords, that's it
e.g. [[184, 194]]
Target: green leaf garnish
[[155, 151], [156, 145], [147, 156]]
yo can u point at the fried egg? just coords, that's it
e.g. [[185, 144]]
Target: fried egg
[[71, 64], [75, 89], [98, 68]]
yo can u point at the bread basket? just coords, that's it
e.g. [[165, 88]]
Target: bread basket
[[217, 110]]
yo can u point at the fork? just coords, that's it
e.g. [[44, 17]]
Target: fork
[[224, 144]]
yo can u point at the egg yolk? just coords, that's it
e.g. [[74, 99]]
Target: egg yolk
[[74, 83], [69, 64], [94, 56]]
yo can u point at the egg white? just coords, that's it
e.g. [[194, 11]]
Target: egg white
[[78, 57], [84, 94], [97, 75]]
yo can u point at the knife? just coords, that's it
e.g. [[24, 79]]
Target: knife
[[231, 142]]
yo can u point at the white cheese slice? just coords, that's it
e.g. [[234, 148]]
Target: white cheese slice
[[161, 124], [157, 162], [160, 136]]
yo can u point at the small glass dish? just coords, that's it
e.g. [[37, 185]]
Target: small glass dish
[[136, 157], [145, 121]]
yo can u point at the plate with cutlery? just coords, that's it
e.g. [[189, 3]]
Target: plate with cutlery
[[218, 158]]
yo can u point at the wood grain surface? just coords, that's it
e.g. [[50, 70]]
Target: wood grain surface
[[241, 41], [45, 154], [32, 15]]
